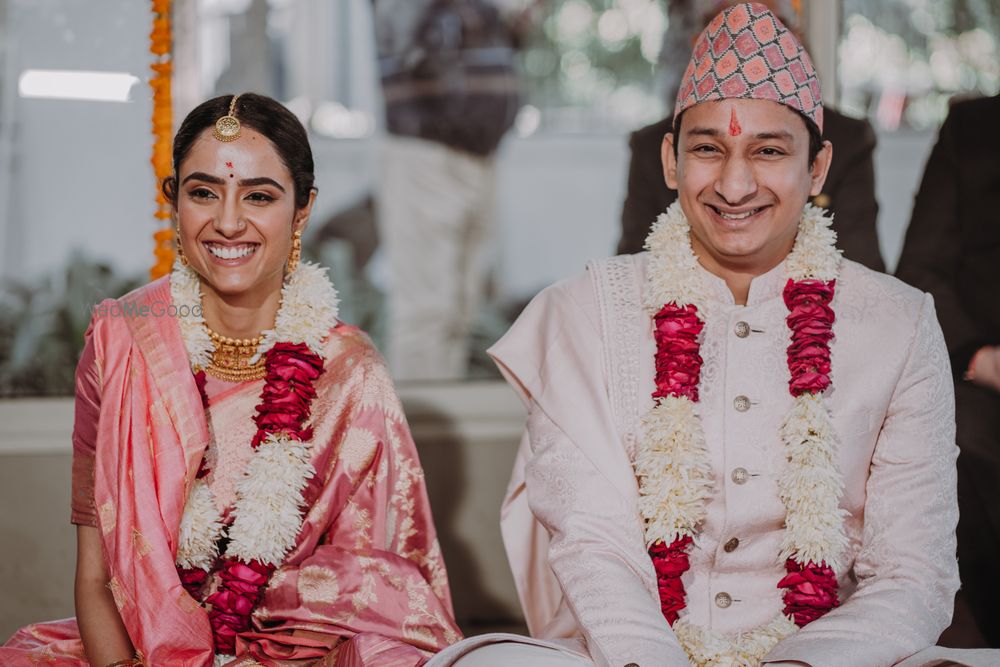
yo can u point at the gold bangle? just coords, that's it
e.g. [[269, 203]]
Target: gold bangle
[[129, 662]]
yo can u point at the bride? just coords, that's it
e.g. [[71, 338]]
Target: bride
[[245, 487]]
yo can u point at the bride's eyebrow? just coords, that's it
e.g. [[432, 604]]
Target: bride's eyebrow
[[259, 180], [245, 182]]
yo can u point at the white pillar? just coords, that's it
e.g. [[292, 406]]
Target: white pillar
[[822, 28]]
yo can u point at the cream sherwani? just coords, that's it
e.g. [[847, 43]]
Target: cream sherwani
[[581, 356]]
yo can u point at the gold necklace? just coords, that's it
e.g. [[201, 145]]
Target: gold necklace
[[231, 358]]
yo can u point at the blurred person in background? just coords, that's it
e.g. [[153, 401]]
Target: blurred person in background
[[451, 92], [952, 250], [245, 487], [849, 191]]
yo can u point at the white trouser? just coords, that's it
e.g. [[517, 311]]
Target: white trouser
[[509, 653], [503, 650], [435, 212]]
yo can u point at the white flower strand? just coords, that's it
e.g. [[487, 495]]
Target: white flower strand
[[308, 311], [269, 501], [185, 294], [268, 509], [672, 276], [706, 648], [201, 527], [815, 255], [675, 476], [811, 486], [672, 463]]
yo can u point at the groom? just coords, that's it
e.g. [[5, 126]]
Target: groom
[[740, 447]]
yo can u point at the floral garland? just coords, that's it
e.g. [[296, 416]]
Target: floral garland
[[672, 462], [268, 511], [160, 46]]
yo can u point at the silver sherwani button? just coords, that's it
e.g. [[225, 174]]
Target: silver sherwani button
[[739, 475], [741, 403], [723, 600], [742, 329]]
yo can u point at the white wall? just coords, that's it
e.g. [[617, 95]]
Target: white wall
[[81, 174], [899, 165]]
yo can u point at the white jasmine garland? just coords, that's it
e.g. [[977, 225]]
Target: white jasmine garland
[[811, 486], [707, 648], [185, 294], [672, 462], [673, 468], [815, 255], [268, 511], [308, 304], [672, 275], [269, 501], [201, 527]]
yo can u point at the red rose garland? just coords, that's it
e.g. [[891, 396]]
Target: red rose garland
[[289, 388], [811, 589], [678, 362]]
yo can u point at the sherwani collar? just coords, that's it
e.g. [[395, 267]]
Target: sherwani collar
[[763, 288]]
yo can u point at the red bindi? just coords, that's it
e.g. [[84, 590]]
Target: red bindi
[[229, 164], [734, 124]]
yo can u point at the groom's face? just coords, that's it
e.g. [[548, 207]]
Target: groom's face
[[743, 176]]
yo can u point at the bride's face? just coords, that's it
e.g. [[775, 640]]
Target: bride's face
[[236, 213]]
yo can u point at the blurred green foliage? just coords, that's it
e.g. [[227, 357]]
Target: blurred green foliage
[[42, 323]]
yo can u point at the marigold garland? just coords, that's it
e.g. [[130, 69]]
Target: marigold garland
[[672, 463], [160, 43]]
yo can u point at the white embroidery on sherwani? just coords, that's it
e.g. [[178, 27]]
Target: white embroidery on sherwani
[[615, 284]]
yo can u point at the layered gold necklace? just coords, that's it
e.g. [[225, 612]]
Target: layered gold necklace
[[231, 358]]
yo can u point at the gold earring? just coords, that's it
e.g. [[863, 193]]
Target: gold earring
[[296, 251], [180, 249]]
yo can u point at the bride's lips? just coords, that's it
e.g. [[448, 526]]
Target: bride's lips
[[230, 254]]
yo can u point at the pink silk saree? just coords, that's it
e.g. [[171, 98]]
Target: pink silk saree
[[365, 583]]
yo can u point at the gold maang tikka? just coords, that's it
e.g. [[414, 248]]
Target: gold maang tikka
[[227, 128]]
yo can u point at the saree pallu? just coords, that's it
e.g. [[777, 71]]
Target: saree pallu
[[365, 582]]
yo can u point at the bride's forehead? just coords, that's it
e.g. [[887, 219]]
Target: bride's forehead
[[252, 148]]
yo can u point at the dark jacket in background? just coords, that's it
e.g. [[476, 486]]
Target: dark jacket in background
[[849, 191], [952, 250], [952, 247]]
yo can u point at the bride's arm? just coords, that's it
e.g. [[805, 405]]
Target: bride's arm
[[104, 637]]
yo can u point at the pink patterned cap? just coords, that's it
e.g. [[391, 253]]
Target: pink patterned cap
[[747, 53]]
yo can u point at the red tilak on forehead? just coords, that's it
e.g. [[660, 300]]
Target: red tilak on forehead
[[229, 164], [734, 124]]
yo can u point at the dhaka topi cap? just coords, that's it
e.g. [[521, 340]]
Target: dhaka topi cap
[[746, 52]]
